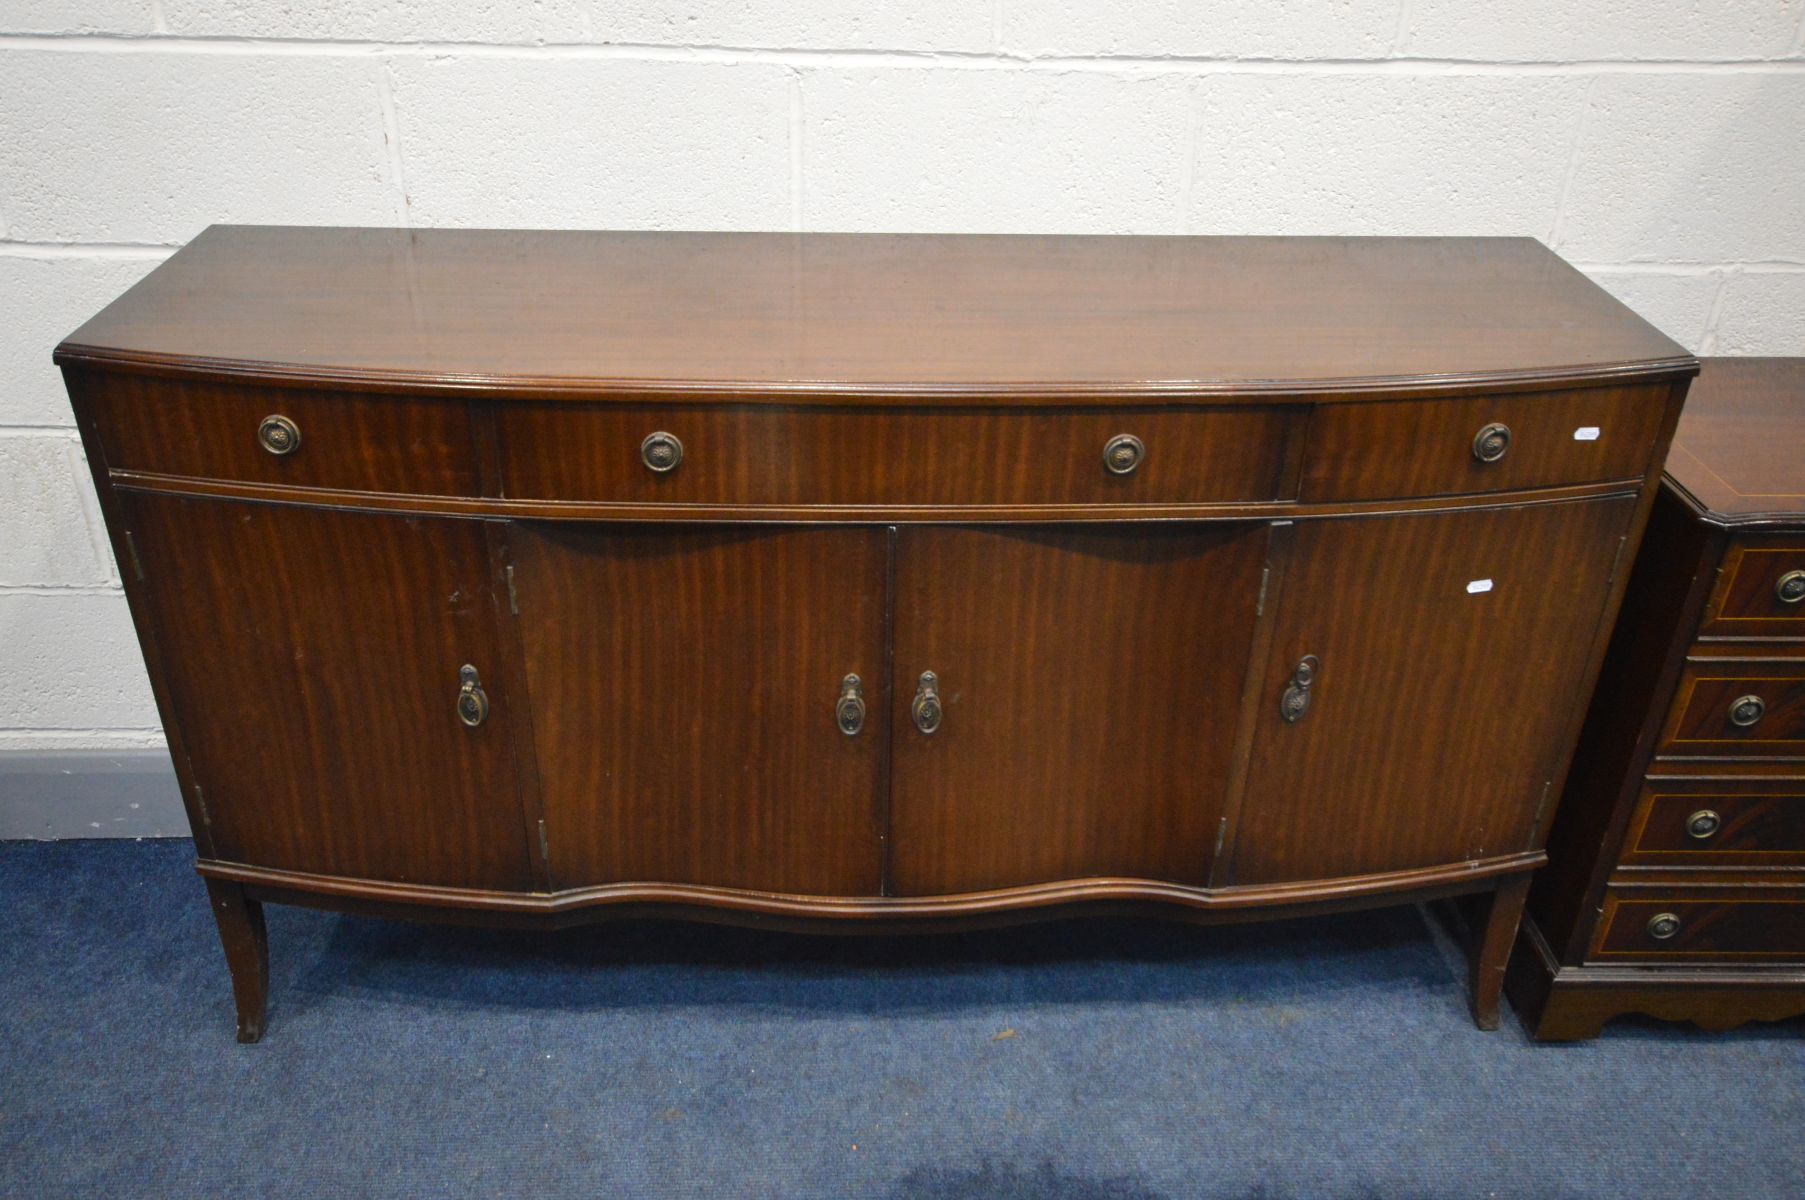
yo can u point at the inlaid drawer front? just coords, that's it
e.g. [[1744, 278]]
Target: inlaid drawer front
[[1687, 926], [1754, 822], [1406, 448], [292, 437], [1742, 709], [1760, 590], [768, 455]]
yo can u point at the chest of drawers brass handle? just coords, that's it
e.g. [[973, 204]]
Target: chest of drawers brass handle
[[1491, 442], [1662, 926], [1791, 588], [661, 452], [1703, 824], [278, 435], [1746, 710], [1123, 453]]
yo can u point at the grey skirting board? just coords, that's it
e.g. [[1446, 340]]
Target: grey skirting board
[[53, 794]]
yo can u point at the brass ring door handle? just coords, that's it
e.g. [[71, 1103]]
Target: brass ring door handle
[[472, 702], [1791, 587], [925, 711], [849, 711], [1703, 824], [1295, 701], [1491, 442], [279, 435], [1662, 926], [1746, 710]]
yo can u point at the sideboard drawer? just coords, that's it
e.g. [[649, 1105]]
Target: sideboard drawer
[[1687, 925], [1761, 591], [755, 455], [1718, 823], [1740, 709], [1384, 449], [289, 437]]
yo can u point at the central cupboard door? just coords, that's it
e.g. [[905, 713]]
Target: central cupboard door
[[686, 686], [1087, 684]]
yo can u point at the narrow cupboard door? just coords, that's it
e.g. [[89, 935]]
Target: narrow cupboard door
[[1066, 701], [696, 712], [338, 678], [1422, 685]]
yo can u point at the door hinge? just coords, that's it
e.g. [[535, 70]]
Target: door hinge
[[200, 802], [131, 548], [513, 596], [545, 849], [1617, 563], [1535, 827], [1259, 608]]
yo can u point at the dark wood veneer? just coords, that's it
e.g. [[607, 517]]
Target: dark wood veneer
[[1672, 808], [893, 464]]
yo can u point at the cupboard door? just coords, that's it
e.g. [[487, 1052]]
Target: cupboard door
[[686, 686], [1448, 651], [1088, 684], [313, 661]]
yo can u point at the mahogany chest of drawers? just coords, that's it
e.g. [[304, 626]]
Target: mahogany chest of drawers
[[882, 581], [1677, 886]]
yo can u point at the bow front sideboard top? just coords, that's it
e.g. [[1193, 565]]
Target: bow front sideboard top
[[537, 577]]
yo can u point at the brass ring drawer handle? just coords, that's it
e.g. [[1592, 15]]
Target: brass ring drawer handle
[[1123, 453], [473, 702], [849, 712], [1295, 701], [1662, 926], [661, 452], [1703, 824], [926, 711], [1791, 588], [278, 435], [1491, 442], [1746, 710]]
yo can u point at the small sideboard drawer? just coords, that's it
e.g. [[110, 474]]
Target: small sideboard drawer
[[1760, 590], [1700, 927], [288, 437], [1740, 709], [760, 455], [1385, 449], [1742, 822]]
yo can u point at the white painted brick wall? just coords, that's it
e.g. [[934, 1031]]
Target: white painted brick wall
[[1659, 145]]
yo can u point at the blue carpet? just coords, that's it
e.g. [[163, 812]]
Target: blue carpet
[[1084, 1060]]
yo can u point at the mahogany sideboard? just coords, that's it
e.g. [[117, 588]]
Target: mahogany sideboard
[[1677, 882], [868, 581]]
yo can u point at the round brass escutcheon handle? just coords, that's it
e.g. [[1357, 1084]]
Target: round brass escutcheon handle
[[1703, 824], [1662, 926], [1123, 453], [926, 711], [1791, 588], [849, 712], [661, 452], [1490, 443], [1746, 710], [472, 702], [278, 435]]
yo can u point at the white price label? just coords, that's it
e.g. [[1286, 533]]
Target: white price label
[[1479, 585], [1586, 433]]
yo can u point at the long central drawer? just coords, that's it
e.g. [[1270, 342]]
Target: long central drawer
[[765, 455]]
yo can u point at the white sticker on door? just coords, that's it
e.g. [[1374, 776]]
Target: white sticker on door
[[1586, 433], [1479, 585]]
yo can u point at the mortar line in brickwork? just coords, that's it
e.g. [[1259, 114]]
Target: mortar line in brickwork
[[1574, 149], [905, 59]]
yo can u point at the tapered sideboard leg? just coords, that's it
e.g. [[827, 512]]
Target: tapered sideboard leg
[[241, 932], [1492, 952]]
